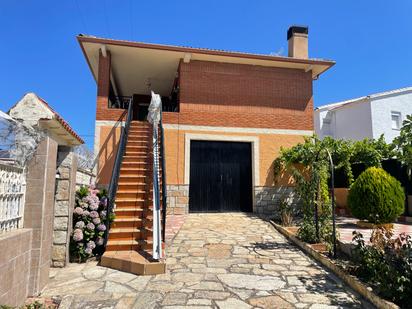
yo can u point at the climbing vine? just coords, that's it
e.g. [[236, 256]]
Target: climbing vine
[[309, 166]]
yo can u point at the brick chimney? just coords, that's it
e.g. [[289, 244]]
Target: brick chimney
[[298, 42]]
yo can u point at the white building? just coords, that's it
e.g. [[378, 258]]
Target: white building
[[369, 116]]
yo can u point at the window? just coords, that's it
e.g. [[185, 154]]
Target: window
[[396, 120]]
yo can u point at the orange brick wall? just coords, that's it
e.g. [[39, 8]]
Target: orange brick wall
[[269, 147], [235, 95], [108, 141]]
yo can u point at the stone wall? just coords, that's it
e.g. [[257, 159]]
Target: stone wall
[[177, 199], [84, 178], [64, 205], [267, 199]]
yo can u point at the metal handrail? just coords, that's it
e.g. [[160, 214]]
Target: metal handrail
[[159, 220], [164, 193], [120, 102], [116, 168]]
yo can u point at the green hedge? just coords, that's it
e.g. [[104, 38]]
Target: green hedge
[[376, 196]]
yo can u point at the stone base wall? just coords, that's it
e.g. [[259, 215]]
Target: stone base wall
[[177, 199], [15, 257], [267, 199], [84, 178], [64, 204]]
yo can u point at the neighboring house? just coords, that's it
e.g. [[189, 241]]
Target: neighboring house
[[365, 117], [225, 117]]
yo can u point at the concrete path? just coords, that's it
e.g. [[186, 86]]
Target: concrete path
[[215, 261]]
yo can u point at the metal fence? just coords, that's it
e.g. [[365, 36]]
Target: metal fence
[[12, 190]]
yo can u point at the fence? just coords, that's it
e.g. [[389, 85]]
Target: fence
[[12, 189], [392, 166]]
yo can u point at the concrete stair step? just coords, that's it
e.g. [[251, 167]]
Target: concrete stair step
[[135, 153], [131, 185], [127, 222], [128, 244], [142, 147], [133, 262], [124, 233], [129, 158], [132, 194], [132, 178]]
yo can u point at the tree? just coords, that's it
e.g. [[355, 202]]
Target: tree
[[403, 144]]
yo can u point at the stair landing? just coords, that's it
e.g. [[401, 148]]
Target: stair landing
[[132, 262]]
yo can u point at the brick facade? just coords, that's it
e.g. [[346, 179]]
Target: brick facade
[[238, 95], [103, 112]]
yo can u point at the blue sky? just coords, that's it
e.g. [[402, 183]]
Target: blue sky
[[370, 41]]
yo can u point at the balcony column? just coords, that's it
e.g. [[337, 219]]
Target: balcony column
[[103, 83]]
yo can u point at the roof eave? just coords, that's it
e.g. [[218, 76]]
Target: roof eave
[[310, 62]]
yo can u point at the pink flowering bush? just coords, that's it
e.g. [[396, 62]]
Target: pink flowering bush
[[89, 218]]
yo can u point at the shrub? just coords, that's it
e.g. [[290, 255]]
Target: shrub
[[386, 264], [376, 196], [286, 210], [89, 217]]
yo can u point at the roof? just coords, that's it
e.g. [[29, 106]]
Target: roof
[[48, 115], [221, 52], [135, 62], [378, 95], [63, 122]]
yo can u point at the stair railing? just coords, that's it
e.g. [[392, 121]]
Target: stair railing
[[116, 169], [164, 192], [154, 117]]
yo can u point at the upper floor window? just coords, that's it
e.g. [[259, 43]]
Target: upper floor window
[[396, 120]]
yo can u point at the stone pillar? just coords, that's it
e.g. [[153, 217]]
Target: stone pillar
[[64, 204], [39, 211]]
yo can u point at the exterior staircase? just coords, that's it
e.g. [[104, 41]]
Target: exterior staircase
[[129, 245]]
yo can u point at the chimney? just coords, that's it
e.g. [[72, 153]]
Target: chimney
[[298, 42]]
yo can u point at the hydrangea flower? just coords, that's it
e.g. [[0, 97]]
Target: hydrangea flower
[[103, 202], [80, 224], [96, 221], [86, 213], [78, 235], [101, 227], [99, 241], [94, 214], [93, 201], [78, 211], [90, 226], [91, 244], [88, 251]]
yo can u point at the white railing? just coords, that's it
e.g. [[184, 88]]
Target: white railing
[[154, 118], [12, 189]]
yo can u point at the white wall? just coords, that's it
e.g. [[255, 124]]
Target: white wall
[[382, 108], [352, 121]]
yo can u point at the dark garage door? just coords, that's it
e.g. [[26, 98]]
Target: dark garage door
[[220, 176]]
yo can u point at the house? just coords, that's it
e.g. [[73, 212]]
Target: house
[[365, 117], [225, 117]]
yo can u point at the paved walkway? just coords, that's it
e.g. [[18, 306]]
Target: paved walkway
[[346, 226], [215, 261]]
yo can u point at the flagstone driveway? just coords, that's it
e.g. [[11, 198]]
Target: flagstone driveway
[[216, 261]]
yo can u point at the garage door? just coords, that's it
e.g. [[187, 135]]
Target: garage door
[[220, 177]]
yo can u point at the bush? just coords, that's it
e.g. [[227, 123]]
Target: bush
[[386, 264], [376, 196], [89, 217]]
